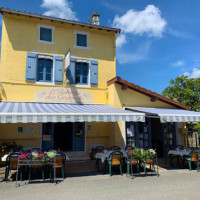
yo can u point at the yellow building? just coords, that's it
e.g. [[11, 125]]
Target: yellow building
[[59, 89]]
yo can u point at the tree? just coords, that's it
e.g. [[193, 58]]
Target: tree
[[184, 90]]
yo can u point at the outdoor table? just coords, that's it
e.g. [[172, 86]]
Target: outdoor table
[[34, 162], [179, 153], [103, 156], [4, 157]]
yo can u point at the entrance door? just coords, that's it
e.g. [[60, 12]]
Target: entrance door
[[169, 136], [47, 136], [156, 135], [63, 136], [79, 136]]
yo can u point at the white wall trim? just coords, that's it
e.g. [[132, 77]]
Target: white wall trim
[[87, 36], [49, 27]]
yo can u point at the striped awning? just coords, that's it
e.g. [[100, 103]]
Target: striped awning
[[25, 112], [169, 115]]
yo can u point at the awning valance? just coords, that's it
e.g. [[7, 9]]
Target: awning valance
[[169, 115], [25, 112]]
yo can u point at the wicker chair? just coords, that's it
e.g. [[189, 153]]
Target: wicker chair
[[115, 159], [11, 164], [115, 148], [60, 163], [133, 161], [192, 157]]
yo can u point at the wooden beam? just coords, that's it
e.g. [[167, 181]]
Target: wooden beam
[[124, 86], [153, 99]]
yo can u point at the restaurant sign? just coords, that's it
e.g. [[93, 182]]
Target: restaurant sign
[[63, 95]]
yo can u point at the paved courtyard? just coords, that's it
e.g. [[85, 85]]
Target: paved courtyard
[[172, 184]]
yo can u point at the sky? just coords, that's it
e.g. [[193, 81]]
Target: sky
[[159, 40]]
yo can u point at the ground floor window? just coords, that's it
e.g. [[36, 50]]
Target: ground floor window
[[144, 135], [130, 134]]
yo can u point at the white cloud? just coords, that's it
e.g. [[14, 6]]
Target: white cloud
[[148, 21], [121, 40], [139, 54], [178, 63], [59, 8], [194, 74]]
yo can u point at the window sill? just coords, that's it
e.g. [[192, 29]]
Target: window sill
[[80, 47], [45, 42], [82, 86], [44, 83]]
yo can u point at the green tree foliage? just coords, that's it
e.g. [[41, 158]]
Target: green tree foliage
[[184, 90]]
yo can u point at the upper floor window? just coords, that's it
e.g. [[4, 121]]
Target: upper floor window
[[46, 34], [44, 70], [81, 73], [81, 40]]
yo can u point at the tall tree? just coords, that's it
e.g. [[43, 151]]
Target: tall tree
[[184, 90]]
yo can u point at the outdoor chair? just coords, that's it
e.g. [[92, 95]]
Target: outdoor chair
[[132, 162], [166, 154], [99, 149], [115, 159], [115, 148], [60, 163], [151, 163], [192, 158], [11, 164]]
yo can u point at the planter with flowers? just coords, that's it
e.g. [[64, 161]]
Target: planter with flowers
[[149, 156], [37, 158]]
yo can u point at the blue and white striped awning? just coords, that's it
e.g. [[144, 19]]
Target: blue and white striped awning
[[169, 115], [25, 112]]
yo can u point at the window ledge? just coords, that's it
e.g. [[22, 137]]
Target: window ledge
[[82, 86], [44, 83], [45, 42], [80, 47]]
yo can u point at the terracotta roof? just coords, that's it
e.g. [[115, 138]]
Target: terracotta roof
[[155, 96], [11, 11]]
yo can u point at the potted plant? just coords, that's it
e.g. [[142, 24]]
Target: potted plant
[[149, 156]]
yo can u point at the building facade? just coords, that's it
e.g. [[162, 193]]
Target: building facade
[[47, 60]]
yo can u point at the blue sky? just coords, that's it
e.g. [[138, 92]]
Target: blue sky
[[159, 39]]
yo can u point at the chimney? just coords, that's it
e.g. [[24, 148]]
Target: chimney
[[95, 18]]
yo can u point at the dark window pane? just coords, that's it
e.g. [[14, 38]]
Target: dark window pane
[[85, 79], [81, 40], [46, 34], [44, 70], [78, 80], [48, 77]]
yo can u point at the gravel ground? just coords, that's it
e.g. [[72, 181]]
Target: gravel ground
[[171, 185]]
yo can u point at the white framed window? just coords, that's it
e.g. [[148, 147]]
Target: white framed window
[[82, 73], [45, 70], [46, 33], [81, 39]]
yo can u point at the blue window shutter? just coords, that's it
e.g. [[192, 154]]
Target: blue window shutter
[[58, 78], [94, 72], [70, 74], [31, 66]]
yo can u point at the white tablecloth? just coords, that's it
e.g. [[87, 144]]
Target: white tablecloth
[[4, 157], [106, 154], [179, 152]]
